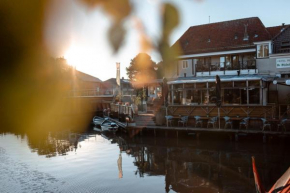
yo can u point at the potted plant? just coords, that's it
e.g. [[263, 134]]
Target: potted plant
[[135, 102]]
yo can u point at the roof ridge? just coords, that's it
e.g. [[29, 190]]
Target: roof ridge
[[225, 21], [285, 25]]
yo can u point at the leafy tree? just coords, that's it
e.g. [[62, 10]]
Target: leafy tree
[[141, 68], [160, 70]]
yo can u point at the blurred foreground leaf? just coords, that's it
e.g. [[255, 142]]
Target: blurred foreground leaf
[[116, 36], [170, 20]]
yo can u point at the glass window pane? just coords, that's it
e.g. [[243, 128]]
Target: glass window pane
[[240, 84], [254, 96], [177, 86], [212, 95], [222, 62], [255, 83], [177, 97], [204, 97], [211, 85], [189, 86], [260, 53], [266, 50], [201, 85], [195, 96], [226, 84]]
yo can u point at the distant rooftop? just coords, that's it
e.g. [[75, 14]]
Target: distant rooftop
[[87, 77], [223, 36]]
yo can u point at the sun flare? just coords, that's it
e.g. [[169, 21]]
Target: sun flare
[[80, 57]]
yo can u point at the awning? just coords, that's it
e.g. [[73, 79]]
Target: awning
[[222, 78]]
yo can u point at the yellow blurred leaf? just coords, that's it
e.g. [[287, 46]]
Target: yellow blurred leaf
[[170, 19], [116, 35], [118, 9]]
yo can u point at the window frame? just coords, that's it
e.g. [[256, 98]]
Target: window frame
[[262, 46], [184, 64]]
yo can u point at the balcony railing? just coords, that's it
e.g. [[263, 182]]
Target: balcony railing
[[88, 93], [224, 66]]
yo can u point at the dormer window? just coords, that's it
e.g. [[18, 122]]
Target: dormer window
[[262, 50], [184, 64]]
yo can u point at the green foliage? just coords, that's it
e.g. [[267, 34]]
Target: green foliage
[[141, 68], [136, 100]]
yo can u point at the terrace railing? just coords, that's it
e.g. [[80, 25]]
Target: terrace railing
[[255, 111], [224, 66], [122, 109]]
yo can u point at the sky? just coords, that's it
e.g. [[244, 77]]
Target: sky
[[79, 34]]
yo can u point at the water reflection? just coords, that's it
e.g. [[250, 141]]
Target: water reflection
[[203, 166], [187, 165]]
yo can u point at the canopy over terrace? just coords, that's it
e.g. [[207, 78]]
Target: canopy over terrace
[[236, 90]]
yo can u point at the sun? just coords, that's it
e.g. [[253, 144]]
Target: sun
[[80, 57]]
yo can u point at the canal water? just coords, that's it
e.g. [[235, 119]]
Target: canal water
[[90, 161]]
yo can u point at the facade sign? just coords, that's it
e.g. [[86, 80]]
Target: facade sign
[[283, 63]]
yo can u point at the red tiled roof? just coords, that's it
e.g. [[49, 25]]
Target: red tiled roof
[[222, 36], [274, 31], [87, 77]]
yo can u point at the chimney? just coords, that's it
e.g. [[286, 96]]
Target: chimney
[[283, 24], [123, 78], [246, 36]]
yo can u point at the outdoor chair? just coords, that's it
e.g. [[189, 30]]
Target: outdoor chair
[[183, 120], [282, 124], [169, 120], [212, 122], [245, 123], [265, 124], [228, 122], [198, 121]]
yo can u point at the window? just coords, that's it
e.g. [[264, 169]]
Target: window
[[262, 50], [184, 64], [254, 96], [232, 96]]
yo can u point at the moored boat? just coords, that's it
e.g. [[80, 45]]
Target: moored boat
[[98, 120], [281, 186], [109, 126]]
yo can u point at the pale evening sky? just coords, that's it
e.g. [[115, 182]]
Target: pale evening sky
[[81, 35]]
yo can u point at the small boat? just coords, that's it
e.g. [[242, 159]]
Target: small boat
[[281, 186], [97, 129], [110, 126], [98, 120]]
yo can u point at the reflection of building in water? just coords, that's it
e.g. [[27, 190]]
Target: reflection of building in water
[[193, 167]]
